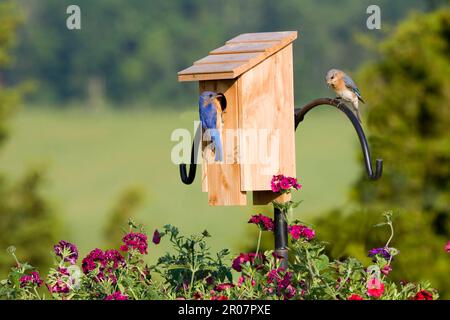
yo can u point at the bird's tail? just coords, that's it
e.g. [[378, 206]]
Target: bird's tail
[[215, 138]]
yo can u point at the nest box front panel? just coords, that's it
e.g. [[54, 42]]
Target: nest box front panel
[[221, 179], [266, 117]]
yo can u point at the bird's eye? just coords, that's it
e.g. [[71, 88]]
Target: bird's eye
[[210, 95]]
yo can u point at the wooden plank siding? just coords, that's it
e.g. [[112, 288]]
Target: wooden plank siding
[[237, 56]]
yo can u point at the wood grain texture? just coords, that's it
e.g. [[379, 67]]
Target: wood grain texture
[[212, 68], [237, 56], [228, 58], [262, 198], [222, 180], [266, 100], [243, 47], [264, 37]]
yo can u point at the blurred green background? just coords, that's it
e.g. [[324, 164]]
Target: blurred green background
[[86, 118]]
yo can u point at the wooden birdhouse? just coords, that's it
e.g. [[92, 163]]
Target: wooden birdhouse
[[254, 72]]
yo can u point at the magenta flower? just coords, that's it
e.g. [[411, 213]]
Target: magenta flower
[[136, 241], [284, 184], [386, 269], [68, 249], [95, 259], [282, 280], [447, 247], [242, 279], [289, 292], [301, 231], [263, 222], [113, 259], [116, 296], [58, 287], [243, 258], [156, 237], [104, 264], [32, 278], [223, 286]]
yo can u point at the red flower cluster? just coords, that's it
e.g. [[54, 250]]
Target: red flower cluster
[[137, 241], [355, 297], [32, 278], [298, 231], [282, 280], [423, 295], [105, 263], [247, 257], [284, 184], [263, 222], [219, 298], [223, 287]]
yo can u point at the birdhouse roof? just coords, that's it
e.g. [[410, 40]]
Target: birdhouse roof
[[237, 56]]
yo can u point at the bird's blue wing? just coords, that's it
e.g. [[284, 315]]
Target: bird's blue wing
[[349, 83], [208, 117]]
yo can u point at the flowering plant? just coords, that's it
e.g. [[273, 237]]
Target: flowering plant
[[191, 271], [283, 185]]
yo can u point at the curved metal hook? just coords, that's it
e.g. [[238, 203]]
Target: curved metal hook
[[189, 178], [337, 103]]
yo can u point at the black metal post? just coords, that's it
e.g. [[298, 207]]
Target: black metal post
[[281, 236]]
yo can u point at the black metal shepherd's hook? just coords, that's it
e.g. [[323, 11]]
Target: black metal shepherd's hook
[[280, 230], [339, 104], [189, 178]]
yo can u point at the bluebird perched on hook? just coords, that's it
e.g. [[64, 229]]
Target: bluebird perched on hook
[[211, 117], [345, 88]]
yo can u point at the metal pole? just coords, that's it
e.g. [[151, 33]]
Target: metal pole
[[281, 236]]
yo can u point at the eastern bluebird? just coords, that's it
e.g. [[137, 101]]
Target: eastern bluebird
[[345, 88], [211, 118]]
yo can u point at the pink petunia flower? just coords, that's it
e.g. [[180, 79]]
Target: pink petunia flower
[[375, 288]]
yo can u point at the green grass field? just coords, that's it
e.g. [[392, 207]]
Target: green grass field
[[92, 157]]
